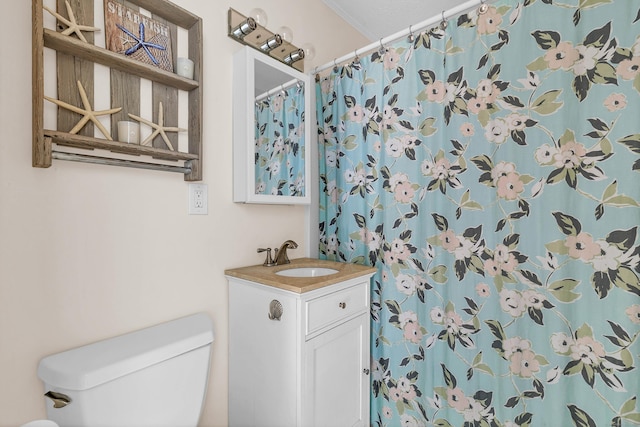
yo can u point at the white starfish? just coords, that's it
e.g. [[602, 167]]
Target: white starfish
[[159, 128], [72, 25], [87, 112]]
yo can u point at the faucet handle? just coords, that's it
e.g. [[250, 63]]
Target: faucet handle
[[269, 261]]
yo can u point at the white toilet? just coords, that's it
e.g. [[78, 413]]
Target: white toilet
[[155, 377]]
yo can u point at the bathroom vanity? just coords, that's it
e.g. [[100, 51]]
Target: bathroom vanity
[[299, 344]]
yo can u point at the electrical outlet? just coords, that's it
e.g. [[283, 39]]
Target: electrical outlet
[[198, 204]]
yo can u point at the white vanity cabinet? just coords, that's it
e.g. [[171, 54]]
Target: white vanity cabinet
[[309, 366]]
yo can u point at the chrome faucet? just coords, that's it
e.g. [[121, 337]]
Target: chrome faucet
[[281, 254]]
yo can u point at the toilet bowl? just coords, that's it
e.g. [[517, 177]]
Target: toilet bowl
[[155, 377]]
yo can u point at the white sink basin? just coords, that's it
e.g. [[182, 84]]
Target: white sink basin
[[306, 272]]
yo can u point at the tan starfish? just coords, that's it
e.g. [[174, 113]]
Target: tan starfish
[[72, 26], [87, 112], [159, 128]]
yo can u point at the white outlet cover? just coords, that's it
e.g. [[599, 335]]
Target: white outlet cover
[[198, 199]]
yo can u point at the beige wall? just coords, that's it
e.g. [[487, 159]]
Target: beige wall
[[88, 252]]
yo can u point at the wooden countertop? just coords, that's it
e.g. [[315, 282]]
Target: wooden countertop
[[268, 276]]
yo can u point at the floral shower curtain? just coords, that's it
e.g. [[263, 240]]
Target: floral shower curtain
[[279, 138], [490, 171]]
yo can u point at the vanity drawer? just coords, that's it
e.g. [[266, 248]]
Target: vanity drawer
[[331, 308]]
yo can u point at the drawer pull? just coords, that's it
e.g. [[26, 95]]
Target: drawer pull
[[342, 305]]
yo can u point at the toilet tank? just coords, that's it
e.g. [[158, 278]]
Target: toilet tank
[[154, 377]]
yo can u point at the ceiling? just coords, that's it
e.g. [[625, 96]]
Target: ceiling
[[377, 19]]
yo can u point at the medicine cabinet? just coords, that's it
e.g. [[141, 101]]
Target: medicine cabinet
[[271, 130]]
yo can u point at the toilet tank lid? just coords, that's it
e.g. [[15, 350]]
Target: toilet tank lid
[[94, 364]]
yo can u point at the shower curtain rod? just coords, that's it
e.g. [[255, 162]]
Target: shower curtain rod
[[277, 89], [454, 11]]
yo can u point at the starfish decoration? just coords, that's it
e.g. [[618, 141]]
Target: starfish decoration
[[141, 43], [87, 112], [72, 26], [159, 128]]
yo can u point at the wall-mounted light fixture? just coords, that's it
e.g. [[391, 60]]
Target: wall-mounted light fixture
[[245, 27], [251, 31], [272, 43], [294, 56]]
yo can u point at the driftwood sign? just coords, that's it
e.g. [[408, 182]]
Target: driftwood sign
[[140, 37]]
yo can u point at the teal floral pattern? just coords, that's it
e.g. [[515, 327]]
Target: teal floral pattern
[[279, 141], [490, 172]]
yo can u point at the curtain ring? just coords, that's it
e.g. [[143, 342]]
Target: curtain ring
[[484, 8], [382, 50], [356, 58], [411, 37], [443, 23], [335, 66]]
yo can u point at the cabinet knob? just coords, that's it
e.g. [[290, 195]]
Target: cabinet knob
[[366, 371], [342, 305], [275, 310]]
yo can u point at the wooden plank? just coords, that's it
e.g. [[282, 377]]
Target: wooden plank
[[195, 103], [85, 142], [125, 93], [168, 95], [41, 157], [71, 69], [169, 11], [91, 53]]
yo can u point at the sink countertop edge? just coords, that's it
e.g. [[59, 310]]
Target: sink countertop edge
[[267, 275]]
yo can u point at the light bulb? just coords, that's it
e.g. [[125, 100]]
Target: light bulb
[[259, 15], [309, 51], [286, 34]]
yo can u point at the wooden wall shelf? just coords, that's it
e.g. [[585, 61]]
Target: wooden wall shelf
[[165, 86]]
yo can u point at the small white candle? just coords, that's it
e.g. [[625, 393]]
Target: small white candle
[[185, 68], [129, 132]]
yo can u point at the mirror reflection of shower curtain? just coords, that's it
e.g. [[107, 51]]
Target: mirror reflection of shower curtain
[[279, 143]]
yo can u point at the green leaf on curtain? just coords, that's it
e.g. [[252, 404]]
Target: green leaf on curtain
[[427, 128], [620, 332], [563, 290], [450, 49], [441, 222], [393, 306], [598, 37], [546, 39], [603, 73], [496, 329], [628, 406], [449, 379], [557, 247], [580, 418], [625, 279], [632, 142], [442, 422], [439, 274], [349, 101], [636, 83], [601, 284], [427, 76], [569, 225], [584, 4], [635, 417], [622, 239], [545, 104], [538, 65], [581, 85]]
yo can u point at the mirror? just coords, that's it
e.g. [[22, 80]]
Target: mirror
[[271, 102]]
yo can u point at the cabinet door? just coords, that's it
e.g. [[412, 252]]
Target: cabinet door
[[336, 374]]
